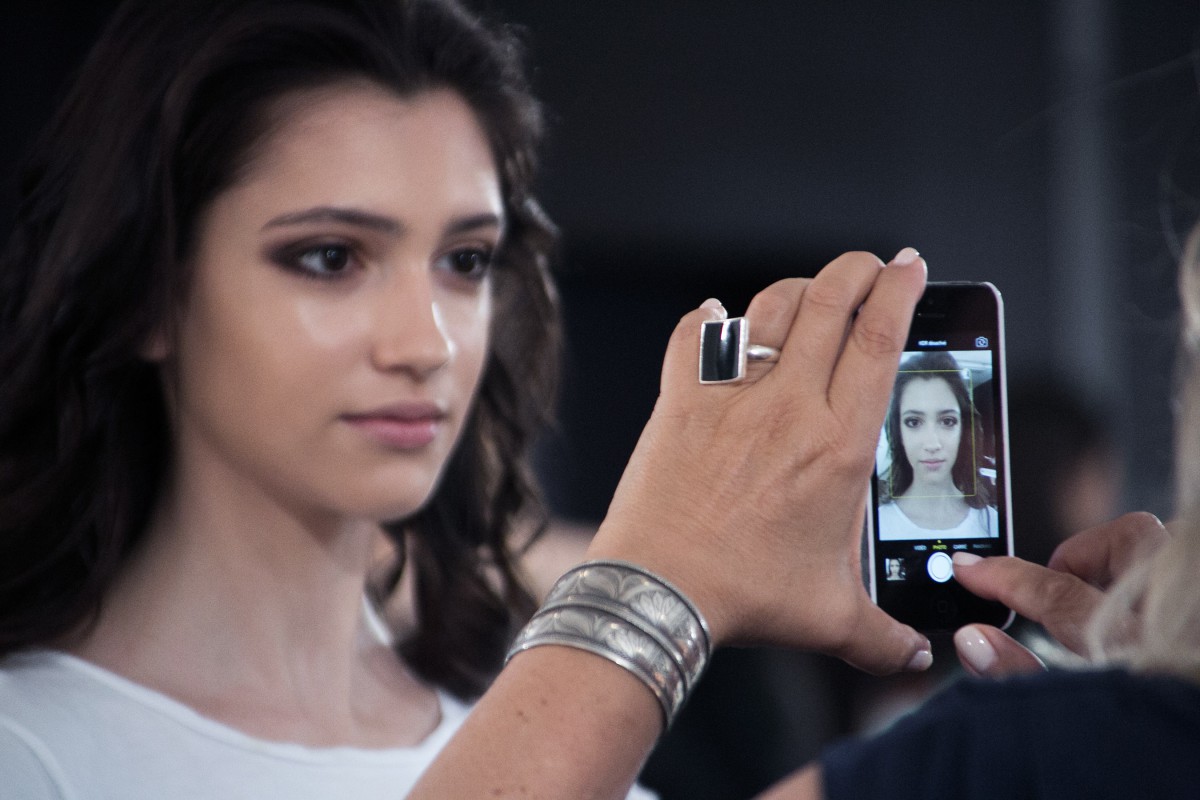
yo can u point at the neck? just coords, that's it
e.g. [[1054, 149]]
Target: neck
[[251, 612]]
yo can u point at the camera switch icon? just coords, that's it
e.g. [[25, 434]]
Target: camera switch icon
[[981, 341]]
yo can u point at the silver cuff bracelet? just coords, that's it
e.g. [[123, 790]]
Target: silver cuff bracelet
[[631, 617]]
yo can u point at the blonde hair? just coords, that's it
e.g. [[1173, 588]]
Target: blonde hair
[[1150, 619]]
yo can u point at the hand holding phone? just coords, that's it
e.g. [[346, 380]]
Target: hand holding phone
[[941, 468]]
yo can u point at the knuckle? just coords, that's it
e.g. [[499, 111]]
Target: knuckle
[[769, 305], [778, 427], [827, 296], [782, 291], [859, 258], [789, 287], [1055, 592], [837, 451], [877, 339], [845, 459]]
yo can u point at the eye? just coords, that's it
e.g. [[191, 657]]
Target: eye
[[329, 259], [468, 263], [323, 261], [912, 422], [949, 422]]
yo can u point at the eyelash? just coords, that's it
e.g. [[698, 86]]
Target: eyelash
[[293, 258], [479, 261], [947, 422], [482, 260]]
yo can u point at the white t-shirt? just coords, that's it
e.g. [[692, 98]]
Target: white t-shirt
[[979, 523], [70, 730]]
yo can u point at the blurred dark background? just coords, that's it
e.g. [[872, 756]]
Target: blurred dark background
[[702, 148], [706, 148]]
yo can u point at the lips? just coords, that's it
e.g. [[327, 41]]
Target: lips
[[933, 464], [402, 426]]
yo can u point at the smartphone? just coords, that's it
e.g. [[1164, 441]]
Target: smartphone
[[941, 480]]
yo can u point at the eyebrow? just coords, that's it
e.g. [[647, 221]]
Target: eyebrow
[[376, 222], [474, 222], [349, 216]]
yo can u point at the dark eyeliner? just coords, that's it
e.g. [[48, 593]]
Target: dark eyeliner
[[290, 257], [485, 263]]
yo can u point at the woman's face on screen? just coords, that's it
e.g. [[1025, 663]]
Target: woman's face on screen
[[930, 429], [337, 320]]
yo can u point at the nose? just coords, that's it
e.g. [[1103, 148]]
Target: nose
[[932, 441], [410, 333]]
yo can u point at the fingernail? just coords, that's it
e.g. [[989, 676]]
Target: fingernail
[[962, 559], [713, 304], [974, 648], [905, 257], [921, 660]]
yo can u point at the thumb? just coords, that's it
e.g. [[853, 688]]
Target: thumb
[[989, 652], [881, 645]]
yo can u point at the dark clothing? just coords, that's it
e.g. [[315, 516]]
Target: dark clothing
[[1095, 734]]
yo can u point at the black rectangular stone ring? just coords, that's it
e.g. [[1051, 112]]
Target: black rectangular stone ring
[[723, 345]]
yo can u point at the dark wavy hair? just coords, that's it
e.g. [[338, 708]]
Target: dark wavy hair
[[169, 107], [976, 491]]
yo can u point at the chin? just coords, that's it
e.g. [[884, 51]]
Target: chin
[[399, 502], [382, 495], [395, 509]]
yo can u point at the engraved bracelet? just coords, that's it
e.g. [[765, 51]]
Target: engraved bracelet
[[633, 618]]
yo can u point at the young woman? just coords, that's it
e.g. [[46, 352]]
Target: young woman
[[933, 486], [277, 288]]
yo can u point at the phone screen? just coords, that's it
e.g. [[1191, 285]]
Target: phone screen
[[941, 466]]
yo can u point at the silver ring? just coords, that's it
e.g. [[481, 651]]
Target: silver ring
[[762, 352], [725, 348]]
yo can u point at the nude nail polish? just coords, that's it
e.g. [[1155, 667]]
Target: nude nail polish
[[905, 257], [921, 660], [974, 648]]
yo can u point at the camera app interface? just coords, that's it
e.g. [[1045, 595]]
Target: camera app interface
[[937, 483]]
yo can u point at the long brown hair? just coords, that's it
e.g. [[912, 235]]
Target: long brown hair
[[165, 113]]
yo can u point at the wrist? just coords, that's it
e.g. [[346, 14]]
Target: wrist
[[632, 617], [694, 581]]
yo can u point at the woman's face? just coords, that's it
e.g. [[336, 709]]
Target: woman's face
[[930, 429], [337, 321]]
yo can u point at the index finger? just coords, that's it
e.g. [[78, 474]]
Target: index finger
[[1062, 603]]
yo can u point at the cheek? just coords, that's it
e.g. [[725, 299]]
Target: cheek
[[290, 342], [467, 323], [319, 326], [248, 355]]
